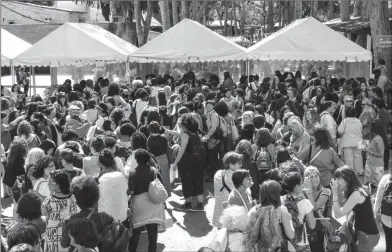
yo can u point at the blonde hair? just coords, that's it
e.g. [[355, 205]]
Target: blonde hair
[[33, 156], [234, 218], [311, 169]]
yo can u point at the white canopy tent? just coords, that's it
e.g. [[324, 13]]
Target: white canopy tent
[[189, 41], [11, 46], [76, 44], [308, 40]]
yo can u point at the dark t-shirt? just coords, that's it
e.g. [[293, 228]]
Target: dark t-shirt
[[157, 145], [140, 178]]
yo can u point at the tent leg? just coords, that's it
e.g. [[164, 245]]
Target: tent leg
[[34, 83], [12, 74], [247, 69]]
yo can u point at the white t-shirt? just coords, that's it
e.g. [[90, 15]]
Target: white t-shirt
[[140, 106]]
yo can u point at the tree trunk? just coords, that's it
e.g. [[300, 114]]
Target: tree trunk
[[242, 24], [361, 39], [164, 9], [289, 12], [147, 22], [271, 22], [226, 16], [200, 14], [234, 17], [357, 8], [184, 9], [175, 12], [344, 10], [297, 9], [314, 9], [331, 10], [138, 21], [280, 14], [194, 10], [105, 10], [379, 25]]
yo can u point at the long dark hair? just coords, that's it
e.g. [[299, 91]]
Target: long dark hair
[[322, 138], [351, 179]]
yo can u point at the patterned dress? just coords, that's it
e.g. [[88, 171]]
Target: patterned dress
[[57, 209]]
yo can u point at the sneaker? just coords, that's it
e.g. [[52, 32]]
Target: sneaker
[[198, 208], [187, 206]]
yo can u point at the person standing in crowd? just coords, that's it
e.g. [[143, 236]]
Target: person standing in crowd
[[239, 196], [382, 207], [321, 155], [374, 167], [145, 213], [190, 162], [358, 201], [350, 132], [56, 208], [223, 183]]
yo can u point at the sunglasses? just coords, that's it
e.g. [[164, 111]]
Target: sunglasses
[[349, 100]]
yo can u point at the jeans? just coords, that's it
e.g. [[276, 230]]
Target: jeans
[[152, 231], [388, 241]]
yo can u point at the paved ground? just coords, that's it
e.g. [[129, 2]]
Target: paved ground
[[190, 230]]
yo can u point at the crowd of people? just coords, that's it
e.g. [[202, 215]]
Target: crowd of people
[[84, 165]]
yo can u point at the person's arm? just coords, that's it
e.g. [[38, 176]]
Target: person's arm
[[335, 159], [380, 193], [287, 223], [354, 199], [304, 154], [310, 220], [214, 125], [341, 127], [321, 201], [183, 145]]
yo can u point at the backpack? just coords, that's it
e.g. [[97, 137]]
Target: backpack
[[196, 149], [263, 159], [222, 129], [386, 202], [292, 207], [115, 238]]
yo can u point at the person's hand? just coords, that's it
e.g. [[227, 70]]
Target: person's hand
[[205, 138], [308, 185], [173, 167], [334, 187]]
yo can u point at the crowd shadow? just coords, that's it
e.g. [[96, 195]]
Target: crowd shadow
[[196, 224]]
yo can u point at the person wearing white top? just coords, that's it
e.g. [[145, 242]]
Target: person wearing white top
[[386, 220], [140, 104]]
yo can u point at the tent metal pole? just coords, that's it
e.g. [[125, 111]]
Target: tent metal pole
[[34, 83]]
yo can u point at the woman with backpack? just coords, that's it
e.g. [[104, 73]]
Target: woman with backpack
[[358, 202], [300, 208], [223, 184], [269, 223], [263, 154], [86, 193], [383, 208]]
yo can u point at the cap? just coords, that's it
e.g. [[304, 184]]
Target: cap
[[210, 102]]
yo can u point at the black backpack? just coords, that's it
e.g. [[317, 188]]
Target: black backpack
[[386, 202]]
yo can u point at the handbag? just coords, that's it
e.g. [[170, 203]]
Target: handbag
[[234, 132], [157, 191]]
